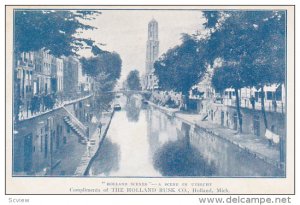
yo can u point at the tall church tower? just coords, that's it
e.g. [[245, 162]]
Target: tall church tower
[[152, 45], [151, 55]]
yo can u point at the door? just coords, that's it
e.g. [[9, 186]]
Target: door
[[28, 153], [256, 125], [235, 121], [222, 118]]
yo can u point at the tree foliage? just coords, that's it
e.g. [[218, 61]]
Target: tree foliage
[[54, 30], [229, 76], [255, 41], [252, 47], [133, 80], [106, 62], [182, 66], [105, 69]]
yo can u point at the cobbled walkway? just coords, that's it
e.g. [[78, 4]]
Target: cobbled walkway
[[96, 137]]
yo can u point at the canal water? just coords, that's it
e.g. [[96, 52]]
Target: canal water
[[144, 142]]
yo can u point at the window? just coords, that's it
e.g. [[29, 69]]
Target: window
[[274, 129], [65, 140], [261, 94], [227, 119], [57, 136], [256, 125], [42, 144], [269, 95], [278, 95], [235, 121], [46, 146]]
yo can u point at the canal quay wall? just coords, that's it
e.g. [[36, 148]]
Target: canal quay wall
[[91, 154], [45, 145], [168, 111], [258, 147], [252, 119]]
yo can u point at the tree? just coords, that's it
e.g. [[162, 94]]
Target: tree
[[104, 63], [231, 42], [49, 101], [182, 66], [268, 61], [133, 80], [105, 68], [230, 76], [53, 30], [35, 104], [253, 41]]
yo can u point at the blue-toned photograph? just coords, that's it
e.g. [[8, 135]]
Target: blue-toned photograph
[[149, 93]]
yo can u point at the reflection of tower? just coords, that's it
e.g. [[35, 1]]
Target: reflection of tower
[[151, 54], [152, 132]]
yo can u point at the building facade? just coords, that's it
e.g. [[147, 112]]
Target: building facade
[[150, 82], [25, 71], [57, 75], [72, 74], [44, 144], [87, 84], [42, 74], [35, 80], [220, 108], [60, 74]]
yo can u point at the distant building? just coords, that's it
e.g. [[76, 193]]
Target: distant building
[[274, 97], [87, 83], [221, 109], [72, 73], [150, 82], [202, 94], [57, 75]]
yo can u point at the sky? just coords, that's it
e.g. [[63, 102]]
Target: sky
[[125, 32]]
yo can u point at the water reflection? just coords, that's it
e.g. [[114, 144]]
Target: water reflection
[[133, 108], [107, 159], [229, 159], [179, 158], [147, 142]]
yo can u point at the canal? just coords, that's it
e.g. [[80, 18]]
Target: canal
[[144, 142]]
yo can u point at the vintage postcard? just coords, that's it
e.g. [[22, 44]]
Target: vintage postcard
[[150, 100]]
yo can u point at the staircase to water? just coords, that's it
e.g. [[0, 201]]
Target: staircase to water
[[77, 127]]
